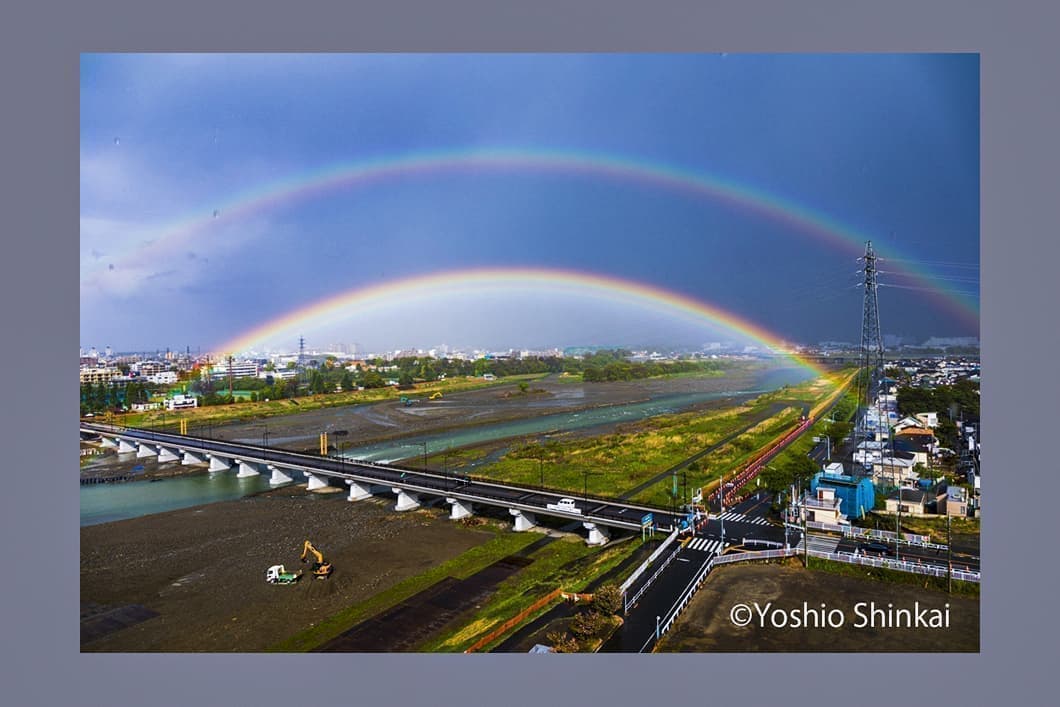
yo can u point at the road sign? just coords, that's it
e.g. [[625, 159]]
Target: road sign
[[646, 520]]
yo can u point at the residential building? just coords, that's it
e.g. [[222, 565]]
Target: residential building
[[181, 402], [163, 378], [909, 501], [858, 495], [822, 506], [894, 470], [954, 501], [931, 419], [98, 375]]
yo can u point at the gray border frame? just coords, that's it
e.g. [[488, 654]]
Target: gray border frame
[[1020, 109]]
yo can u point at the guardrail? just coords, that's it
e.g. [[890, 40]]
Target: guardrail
[[627, 603], [900, 565], [851, 531], [763, 555], [644, 565], [681, 603]]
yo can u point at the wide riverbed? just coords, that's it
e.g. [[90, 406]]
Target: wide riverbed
[[108, 502]]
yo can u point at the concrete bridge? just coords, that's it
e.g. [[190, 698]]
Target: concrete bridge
[[412, 487]]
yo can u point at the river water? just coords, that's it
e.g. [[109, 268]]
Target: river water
[[103, 503]]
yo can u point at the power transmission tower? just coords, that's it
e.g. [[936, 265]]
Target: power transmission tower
[[870, 364]]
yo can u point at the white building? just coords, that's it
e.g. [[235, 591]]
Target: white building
[[822, 507], [162, 378], [182, 402]]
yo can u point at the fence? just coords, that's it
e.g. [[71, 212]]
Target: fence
[[515, 620], [851, 531], [900, 565]]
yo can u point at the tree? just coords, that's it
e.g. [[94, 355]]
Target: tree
[[608, 599], [837, 431], [347, 381], [561, 642], [586, 624], [523, 386]]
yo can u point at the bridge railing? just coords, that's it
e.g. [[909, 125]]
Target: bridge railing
[[335, 464], [627, 602]]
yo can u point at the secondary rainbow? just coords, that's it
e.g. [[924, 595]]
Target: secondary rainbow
[[340, 306], [341, 175]]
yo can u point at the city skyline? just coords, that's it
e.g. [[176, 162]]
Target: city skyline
[[224, 193]]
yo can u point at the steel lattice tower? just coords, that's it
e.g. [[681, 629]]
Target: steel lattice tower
[[870, 363]]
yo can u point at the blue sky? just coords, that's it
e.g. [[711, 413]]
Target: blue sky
[[886, 143]]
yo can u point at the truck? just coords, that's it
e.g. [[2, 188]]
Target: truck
[[277, 574]]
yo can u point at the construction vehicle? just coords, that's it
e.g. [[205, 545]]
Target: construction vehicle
[[278, 574], [320, 568], [436, 395], [407, 401]]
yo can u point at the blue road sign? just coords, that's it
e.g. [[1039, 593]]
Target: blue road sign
[[647, 519]]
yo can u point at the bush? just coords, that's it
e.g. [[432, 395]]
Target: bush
[[561, 642], [608, 599], [586, 624]]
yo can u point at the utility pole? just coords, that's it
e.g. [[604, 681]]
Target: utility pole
[[949, 554], [230, 376]]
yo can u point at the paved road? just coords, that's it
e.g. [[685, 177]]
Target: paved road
[[913, 553], [747, 521]]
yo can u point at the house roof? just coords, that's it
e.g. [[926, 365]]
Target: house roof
[[915, 431], [914, 495]]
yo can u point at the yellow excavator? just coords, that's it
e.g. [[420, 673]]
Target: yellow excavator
[[320, 568]]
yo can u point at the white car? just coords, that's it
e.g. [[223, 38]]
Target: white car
[[564, 504]]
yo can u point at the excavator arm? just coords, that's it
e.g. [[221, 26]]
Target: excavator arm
[[321, 569]]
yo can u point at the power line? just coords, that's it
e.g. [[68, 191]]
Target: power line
[[942, 263], [930, 289]]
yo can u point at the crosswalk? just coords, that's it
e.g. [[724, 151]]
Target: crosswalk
[[706, 545], [822, 543], [741, 518]]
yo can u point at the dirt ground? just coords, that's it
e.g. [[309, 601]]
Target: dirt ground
[[705, 625], [203, 569]]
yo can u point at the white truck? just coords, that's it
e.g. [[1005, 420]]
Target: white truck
[[564, 504], [278, 575]]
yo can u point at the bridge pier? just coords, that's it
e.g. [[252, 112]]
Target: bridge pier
[[358, 491], [107, 441], [246, 469], [316, 481], [190, 458], [461, 508], [597, 534], [278, 477], [124, 446], [407, 500], [523, 520], [219, 463], [165, 454], [146, 450]]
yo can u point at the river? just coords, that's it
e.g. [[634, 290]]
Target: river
[[103, 503]]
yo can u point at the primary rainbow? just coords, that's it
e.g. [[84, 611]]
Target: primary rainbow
[[346, 174], [340, 306]]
